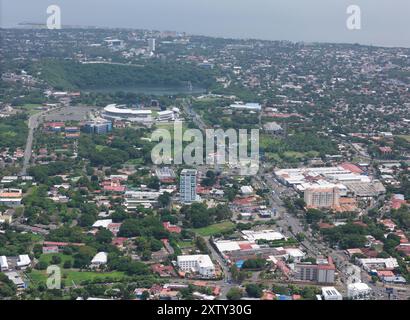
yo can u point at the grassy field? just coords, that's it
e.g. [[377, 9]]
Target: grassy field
[[68, 276], [99, 147], [185, 244], [214, 229], [31, 108], [293, 154], [406, 137], [135, 162], [47, 258]]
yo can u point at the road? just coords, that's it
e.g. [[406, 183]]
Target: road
[[226, 284], [61, 113], [33, 123]]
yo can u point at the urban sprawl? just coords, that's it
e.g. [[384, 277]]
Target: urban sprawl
[[326, 217]]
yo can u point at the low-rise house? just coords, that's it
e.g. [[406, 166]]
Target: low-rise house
[[50, 249], [171, 228]]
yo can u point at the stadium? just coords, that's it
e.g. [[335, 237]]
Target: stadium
[[115, 112]]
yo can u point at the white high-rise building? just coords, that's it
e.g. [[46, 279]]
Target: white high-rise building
[[188, 185], [151, 45]]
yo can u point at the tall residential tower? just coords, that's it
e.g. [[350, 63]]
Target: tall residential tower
[[188, 185]]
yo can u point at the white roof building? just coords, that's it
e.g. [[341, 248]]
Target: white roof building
[[269, 235], [23, 261], [227, 245], [358, 291], [16, 279], [199, 263], [296, 254], [116, 112], [102, 223], [246, 190], [4, 266], [99, 259], [330, 293], [378, 263]]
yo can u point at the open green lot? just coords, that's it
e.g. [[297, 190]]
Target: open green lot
[[69, 276], [185, 244], [31, 108], [48, 257], [406, 137], [215, 229]]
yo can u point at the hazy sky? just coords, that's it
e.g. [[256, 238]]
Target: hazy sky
[[384, 22]]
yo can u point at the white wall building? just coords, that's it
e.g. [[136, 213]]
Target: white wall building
[[187, 187], [200, 263], [152, 45], [23, 261], [369, 264], [4, 266], [268, 235], [358, 291], [134, 199]]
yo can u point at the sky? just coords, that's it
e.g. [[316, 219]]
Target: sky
[[384, 22]]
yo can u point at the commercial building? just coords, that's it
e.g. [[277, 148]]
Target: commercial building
[[134, 199], [268, 235], [201, 264], [321, 272], [115, 112], [240, 250], [165, 174], [11, 197], [98, 127], [167, 115], [330, 293], [302, 178], [188, 186], [294, 253], [322, 197], [370, 264], [358, 291], [247, 106]]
